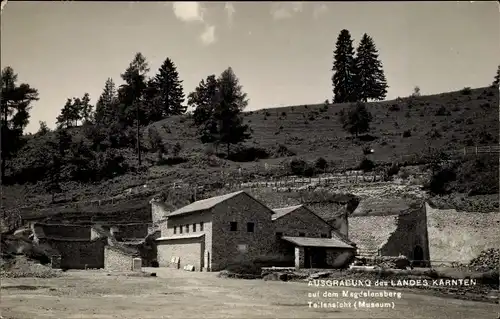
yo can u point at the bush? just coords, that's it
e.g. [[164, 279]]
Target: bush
[[407, 133], [299, 167], [466, 91], [366, 165], [440, 181], [321, 164], [393, 170]]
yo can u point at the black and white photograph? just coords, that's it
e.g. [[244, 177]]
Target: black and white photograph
[[250, 159]]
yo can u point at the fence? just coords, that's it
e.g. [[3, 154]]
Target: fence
[[347, 177]]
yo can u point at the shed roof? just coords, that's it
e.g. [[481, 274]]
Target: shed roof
[[317, 242], [280, 212], [204, 204]]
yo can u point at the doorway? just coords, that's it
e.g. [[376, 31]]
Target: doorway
[[418, 256]]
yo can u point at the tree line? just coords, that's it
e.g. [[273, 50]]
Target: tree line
[[89, 140]]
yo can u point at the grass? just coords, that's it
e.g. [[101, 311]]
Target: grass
[[401, 126]]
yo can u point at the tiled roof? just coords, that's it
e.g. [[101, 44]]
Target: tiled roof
[[280, 212], [317, 242], [181, 237], [204, 204]]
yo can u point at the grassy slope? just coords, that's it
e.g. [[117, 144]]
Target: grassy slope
[[310, 132]]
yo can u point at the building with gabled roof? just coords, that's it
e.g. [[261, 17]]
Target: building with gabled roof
[[213, 233]]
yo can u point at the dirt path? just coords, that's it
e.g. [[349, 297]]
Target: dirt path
[[180, 294]]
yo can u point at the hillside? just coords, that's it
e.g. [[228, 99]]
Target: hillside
[[400, 128]]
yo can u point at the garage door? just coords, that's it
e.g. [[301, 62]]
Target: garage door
[[189, 251]]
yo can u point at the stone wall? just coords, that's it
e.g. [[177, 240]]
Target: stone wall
[[115, 260], [302, 220], [232, 246], [66, 231], [410, 237], [80, 254], [460, 236]]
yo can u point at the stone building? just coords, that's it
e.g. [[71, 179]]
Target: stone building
[[213, 233], [73, 244], [390, 227], [309, 239], [119, 258]]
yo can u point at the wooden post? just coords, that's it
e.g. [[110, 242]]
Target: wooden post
[[476, 150]]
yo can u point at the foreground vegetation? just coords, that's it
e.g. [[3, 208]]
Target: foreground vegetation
[[141, 133]]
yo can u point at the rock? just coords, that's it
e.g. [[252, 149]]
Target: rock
[[487, 260]]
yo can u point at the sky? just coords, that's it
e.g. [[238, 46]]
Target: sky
[[282, 52]]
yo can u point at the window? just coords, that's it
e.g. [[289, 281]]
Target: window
[[187, 228], [250, 227], [233, 226], [194, 228], [324, 236], [279, 234], [201, 226], [175, 229], [302, 234]]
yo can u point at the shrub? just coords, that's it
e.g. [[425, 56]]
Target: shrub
[[440, 181], [466, 91], [283, 114], [366, 165], [393, 170], [297, 166], [407, 133], [321, 164]]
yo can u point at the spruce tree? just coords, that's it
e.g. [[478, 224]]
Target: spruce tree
[[87, 113], [496, 81], [370, 79], [106, 110], [344, 77], [65, 119], [168, 91]]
